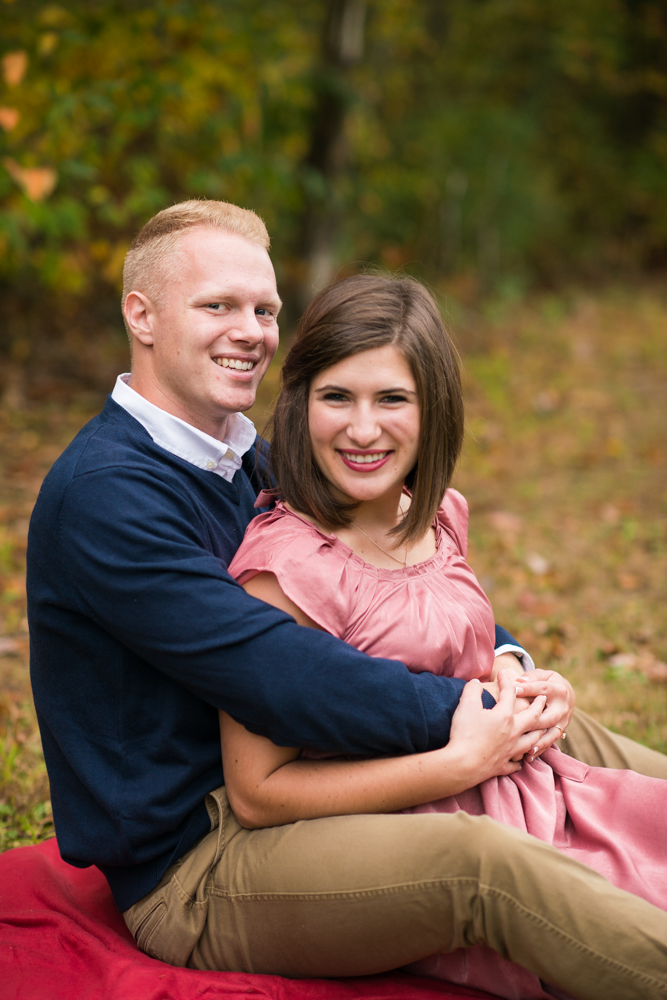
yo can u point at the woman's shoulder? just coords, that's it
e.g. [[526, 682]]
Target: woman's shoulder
[[308, 564], [452, 515], [271, 535]]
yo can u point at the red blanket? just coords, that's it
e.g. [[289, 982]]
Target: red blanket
[[62, 938]]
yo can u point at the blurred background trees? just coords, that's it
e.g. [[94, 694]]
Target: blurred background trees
[[489, 145]]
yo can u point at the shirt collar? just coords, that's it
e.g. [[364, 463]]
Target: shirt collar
[[187, 442]]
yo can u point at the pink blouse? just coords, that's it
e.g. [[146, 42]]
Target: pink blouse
[[432, 616]]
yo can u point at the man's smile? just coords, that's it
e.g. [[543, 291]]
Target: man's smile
[[237, 363]]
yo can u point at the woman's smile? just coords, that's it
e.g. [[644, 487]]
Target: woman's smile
[[367, 461]]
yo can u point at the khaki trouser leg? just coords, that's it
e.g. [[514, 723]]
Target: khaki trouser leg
[[589, 742], [355, 895]]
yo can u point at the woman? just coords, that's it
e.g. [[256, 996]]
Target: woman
[[367, 432]]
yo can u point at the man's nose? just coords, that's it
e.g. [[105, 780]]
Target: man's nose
[[246, 328]]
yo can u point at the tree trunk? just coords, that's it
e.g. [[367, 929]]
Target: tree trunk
[[342, 47]]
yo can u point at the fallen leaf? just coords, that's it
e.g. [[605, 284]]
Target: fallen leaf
[[656, 671], [614, 447], [652, 668], [537, 564], [8, 647], [623, 661], [536, 604], [628, 581], [610, 514], [505, 523], [546, 401]]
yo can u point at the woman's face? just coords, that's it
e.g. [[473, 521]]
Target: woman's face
[[364, 417]]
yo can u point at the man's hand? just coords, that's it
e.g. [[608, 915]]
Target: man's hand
[[559, 707]]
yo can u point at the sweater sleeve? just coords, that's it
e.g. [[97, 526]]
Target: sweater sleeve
[[137, 560]]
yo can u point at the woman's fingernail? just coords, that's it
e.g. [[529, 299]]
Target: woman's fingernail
[[534, 750]]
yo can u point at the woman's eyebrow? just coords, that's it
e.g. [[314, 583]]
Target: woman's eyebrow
[[378, 392], [329, 388]]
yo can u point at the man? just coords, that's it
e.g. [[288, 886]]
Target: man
[[139, 635]]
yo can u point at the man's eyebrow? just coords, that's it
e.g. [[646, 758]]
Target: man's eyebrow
[[263, 302]]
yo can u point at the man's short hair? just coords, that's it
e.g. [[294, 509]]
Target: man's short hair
[[152, 260]]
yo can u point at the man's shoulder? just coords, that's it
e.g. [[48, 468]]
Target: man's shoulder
[[110, 449], [112, 439]]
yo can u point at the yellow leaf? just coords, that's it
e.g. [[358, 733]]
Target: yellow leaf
[[47, 42], [9, 118], [14, 66]]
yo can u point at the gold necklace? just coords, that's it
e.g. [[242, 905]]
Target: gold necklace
[[405, 561]]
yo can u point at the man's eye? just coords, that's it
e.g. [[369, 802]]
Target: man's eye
[[213, 305]]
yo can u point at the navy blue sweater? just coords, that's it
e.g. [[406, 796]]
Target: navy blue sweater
[[139, 634]]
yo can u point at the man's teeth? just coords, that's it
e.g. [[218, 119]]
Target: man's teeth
[[242, 366], [374, 456]]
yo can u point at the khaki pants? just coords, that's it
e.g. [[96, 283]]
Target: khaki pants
[[355, 895], [591, 743]]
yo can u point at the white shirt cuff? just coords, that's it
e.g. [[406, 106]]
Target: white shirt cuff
[[526, 659]]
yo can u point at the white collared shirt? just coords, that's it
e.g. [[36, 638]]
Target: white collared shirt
[[223, 458]]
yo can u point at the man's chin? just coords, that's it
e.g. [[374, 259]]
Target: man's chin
[[238, 401]]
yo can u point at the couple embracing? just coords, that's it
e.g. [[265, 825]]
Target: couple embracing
[[275, 708]]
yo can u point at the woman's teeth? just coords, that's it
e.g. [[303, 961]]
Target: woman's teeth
[[242, 366], [374, 456]]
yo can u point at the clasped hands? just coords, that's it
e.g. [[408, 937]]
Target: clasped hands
[[557, 712]]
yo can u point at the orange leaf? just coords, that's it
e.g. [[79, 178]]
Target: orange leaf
[[37, 182], [14, 66], [9, 118]]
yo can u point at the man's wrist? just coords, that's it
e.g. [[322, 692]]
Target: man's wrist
[[524, 658]]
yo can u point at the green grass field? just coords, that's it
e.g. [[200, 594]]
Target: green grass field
[[565, 471]]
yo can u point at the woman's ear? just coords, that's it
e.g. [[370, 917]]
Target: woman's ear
[[139, 312]]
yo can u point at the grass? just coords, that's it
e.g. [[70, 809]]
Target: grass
[[565, 471]]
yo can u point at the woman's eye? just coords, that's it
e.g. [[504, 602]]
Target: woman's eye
[[393, 399], [213, 305], [335, 397]]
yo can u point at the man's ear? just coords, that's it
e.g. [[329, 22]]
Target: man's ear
[[139, 314]]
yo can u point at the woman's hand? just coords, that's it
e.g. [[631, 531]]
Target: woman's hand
[[485, 741], [560, 700]]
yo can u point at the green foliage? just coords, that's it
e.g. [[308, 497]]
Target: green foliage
[[135, 106], [509, 140]]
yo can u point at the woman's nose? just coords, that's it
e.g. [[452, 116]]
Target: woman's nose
[[363, 429]]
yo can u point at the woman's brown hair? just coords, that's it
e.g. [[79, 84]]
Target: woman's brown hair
[[354, 315]]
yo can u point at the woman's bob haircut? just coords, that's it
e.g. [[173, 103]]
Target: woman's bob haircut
[[360, 314]]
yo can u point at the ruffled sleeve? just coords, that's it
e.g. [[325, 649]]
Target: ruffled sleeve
[[453, 516], [309, 566]]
